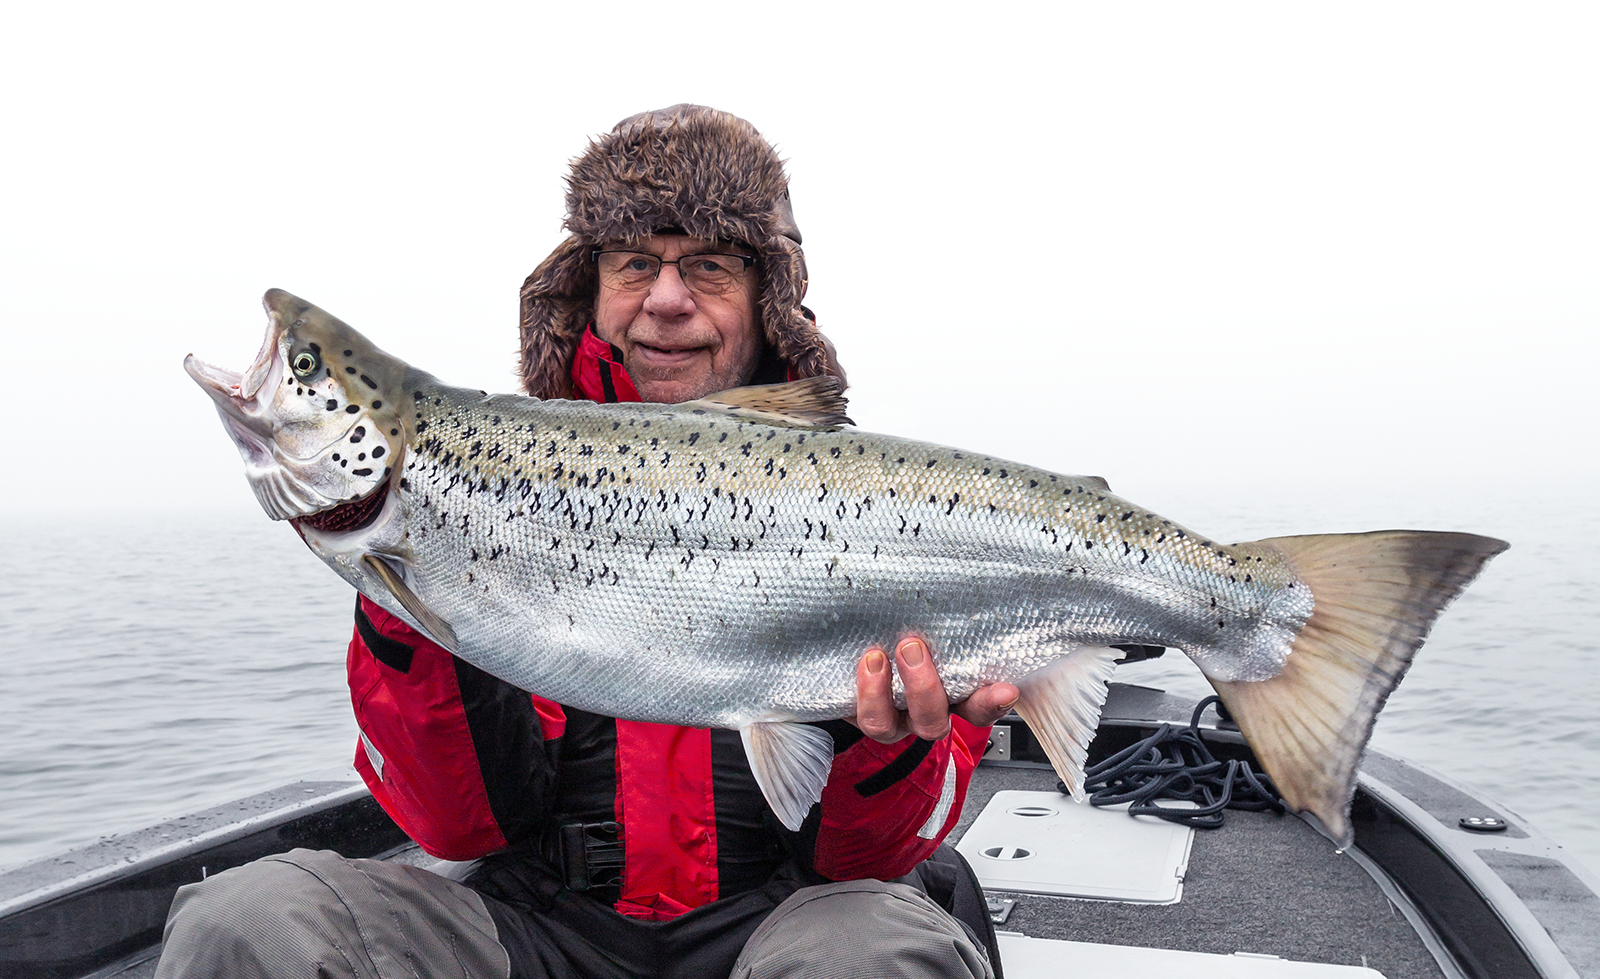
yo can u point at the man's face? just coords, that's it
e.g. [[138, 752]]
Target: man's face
[[679, 345]]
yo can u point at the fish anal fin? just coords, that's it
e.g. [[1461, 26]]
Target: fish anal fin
[[1061, 702], [791, 762], [815, 402], [1375, 596], [437, 628]]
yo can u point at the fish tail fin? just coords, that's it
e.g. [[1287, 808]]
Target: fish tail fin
[[1375, 596], [1061, 703]]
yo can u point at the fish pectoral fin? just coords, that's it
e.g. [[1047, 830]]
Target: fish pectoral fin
[[437, 629], [1061, 702], [791, 762], [1374, 598], [816, 402]]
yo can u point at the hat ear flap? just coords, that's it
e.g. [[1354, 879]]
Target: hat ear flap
[[789, 331], [557, 304]]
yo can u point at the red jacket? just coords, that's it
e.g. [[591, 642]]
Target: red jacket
[[467, 764]]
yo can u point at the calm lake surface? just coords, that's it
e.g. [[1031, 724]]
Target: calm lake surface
[[155, 663]]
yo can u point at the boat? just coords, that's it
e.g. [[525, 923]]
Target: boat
[[1441, 882]]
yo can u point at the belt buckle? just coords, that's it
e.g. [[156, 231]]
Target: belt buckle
[[591, 855]]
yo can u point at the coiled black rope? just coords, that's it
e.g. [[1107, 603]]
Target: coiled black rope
[[1174, 763]]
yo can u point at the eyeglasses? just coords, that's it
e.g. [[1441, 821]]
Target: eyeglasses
[[711, 274]]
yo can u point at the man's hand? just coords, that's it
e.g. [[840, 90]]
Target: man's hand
[[928, 710]]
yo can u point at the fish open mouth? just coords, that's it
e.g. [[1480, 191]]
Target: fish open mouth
[[346, 517]]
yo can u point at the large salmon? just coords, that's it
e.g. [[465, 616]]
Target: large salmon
[[725, 562]]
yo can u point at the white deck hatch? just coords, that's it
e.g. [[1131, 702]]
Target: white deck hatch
[[1043, 958], [1044, 843]]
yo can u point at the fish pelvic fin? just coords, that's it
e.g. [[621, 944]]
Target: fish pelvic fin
[[1061, 702], [791, 762], [1374, 598], [437, 628], [816, 402]]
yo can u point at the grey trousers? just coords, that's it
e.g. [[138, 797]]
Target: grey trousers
[[316, 914]]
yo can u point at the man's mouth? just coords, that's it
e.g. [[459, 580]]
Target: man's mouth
[[655, 356]]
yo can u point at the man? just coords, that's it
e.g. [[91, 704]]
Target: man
[[614, 848]]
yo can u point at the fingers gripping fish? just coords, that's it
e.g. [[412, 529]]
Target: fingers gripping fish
[[724, 562]]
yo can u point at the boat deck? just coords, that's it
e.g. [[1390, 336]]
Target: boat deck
[[1418, 897], [1262, 883]]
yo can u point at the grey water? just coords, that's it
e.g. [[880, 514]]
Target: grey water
[[155, 663]]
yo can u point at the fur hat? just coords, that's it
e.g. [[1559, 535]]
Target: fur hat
[[690, 168]]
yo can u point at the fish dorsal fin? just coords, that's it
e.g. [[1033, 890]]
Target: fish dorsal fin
[[1098, 482], [816, 402], [791, 762], [1061, 702], [437, 629]]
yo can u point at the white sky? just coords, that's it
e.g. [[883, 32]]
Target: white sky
[[1172, 244]]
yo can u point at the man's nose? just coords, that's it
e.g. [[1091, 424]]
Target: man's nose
[[668, 295]]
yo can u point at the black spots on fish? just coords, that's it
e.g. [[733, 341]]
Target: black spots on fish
[[1144, 555], [315, 348], [343, 463], [891, 493], [359, 434], [1233, 579], [1099, 518], [331, 405], [336, 456], [405, 484], [422, 426], [362, 457], [902, 459], [1128, 515], [770, 464], [474, 554], [574, 561], [328, 371], [1004, 474], [1089, 544], [986, 470], [349, 370], [299, 391], [932, 463], [1247, 579], [903, 523], [1033, 483], [351, 409], [916, 530], [1213, 602], [1126, 549], [860, 449], [787, 446]]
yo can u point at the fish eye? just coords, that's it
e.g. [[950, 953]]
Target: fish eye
[[305, 364]]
